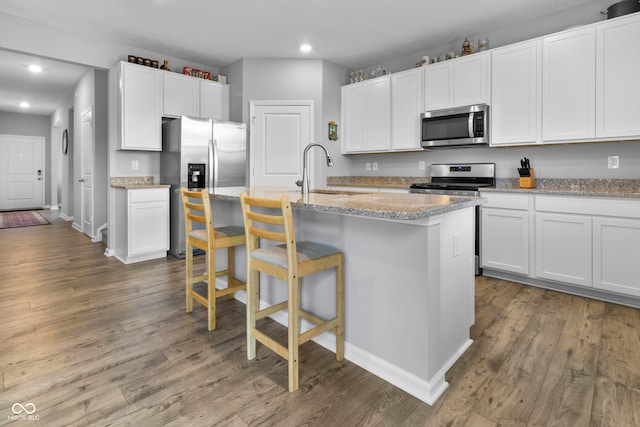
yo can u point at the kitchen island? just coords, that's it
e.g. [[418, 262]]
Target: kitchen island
[[409, 276]]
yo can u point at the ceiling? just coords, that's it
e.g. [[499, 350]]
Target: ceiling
[[352, 33]]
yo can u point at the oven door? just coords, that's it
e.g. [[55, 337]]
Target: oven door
[[455, 127]]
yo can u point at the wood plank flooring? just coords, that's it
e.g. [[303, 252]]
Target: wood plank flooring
[[91, 341]]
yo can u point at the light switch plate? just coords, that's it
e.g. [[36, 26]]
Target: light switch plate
[[374, 166], [614, 162]]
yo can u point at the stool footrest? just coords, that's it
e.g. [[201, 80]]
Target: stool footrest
[[270, 310], [314, 332], [270, 343]]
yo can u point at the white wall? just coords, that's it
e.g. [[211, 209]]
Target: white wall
[[60, 120]]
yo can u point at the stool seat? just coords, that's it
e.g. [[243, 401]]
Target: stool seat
[[197, 211], [287, 260], [305, 251]]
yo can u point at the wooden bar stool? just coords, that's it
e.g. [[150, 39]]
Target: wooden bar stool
[[197, 209], [289, 262]]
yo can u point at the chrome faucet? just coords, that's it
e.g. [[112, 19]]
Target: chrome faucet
[[304, 182]]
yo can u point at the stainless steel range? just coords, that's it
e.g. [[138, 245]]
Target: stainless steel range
[[460, 179]]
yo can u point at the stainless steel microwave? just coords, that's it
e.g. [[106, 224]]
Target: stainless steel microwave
[[456, 127]]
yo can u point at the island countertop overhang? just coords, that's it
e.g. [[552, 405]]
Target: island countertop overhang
[[380, 205]]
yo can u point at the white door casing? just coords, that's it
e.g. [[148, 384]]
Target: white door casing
[[279, 132], [86, 193], [21, 172]]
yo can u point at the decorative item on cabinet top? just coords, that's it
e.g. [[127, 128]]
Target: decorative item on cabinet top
[[194, 72], [142, 61]]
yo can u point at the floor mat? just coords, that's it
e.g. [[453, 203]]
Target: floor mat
[[22, 219]]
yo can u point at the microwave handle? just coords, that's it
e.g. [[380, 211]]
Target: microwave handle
[[470, 125]]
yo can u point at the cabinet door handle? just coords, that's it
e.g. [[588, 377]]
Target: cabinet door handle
[[81, 180]]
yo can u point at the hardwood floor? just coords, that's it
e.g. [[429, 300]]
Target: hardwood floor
[[91, 341]]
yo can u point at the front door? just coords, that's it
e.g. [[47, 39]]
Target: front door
[[279, 132], [21, 172], [86, 140]]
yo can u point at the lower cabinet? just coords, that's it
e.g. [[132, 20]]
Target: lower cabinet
[[563, 248], [144, 235], [505, 240], [616, 255], [586, 242]]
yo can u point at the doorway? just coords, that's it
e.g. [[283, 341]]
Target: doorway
[[278, 133]]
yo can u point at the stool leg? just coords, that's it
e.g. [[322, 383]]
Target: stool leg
[[253, 292], [294, 331], [231, 275], [340, 309], [211, 289], [189, 278]]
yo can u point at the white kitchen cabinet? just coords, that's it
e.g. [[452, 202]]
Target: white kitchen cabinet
[[181, 95], [406, 107], [138, 107], [195, 97], [516, 94], [504, 233], [147, 224], [457, 82], [617, 91], [214, 100], [569, 85], [563, 248], [438, 86], [366, 116], [616, 255]]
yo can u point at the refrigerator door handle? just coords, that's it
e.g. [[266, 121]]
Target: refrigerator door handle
[[213, 162]]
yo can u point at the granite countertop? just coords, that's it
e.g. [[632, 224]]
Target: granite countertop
[[629, 188], [135, 182], [380, 205], [375, 181]]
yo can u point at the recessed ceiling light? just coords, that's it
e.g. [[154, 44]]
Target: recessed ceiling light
[[305, 48], [35, 68], [24, 104]]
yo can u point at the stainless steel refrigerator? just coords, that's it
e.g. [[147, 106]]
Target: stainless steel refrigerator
[[199, 153]]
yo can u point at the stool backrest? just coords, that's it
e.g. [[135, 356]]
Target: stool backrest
[[272, 221], [197, 209]]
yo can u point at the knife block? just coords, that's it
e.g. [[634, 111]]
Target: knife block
[[528, 181]]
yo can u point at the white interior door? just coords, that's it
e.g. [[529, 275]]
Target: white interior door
[[86, 141], [21, 172], [279, 131]]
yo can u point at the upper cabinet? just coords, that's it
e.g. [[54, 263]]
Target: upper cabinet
[[406, 107], [144, 95], [569, 85], [458, 82], [181, 95], [588, 78], [138, 107], [214, 100], [617, 67], [366, 116], [191, 96], [515, 94]]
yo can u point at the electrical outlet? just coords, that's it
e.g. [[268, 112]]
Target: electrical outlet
[[456, 245], [367, 166], [421, 165], [614, 162], [374, 166], [134, 165]]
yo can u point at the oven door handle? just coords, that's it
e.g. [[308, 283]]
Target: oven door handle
[[470, 125]]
